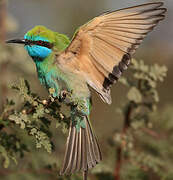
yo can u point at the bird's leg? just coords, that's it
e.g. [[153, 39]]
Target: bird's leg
[[79, 108], [66, 97], [63, 95]]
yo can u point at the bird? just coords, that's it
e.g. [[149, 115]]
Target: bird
[[96, 56]]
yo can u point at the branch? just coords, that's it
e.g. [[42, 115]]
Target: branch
[[151, 133], [120, 148]]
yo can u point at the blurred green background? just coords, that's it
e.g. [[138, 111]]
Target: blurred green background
[[65, 16]]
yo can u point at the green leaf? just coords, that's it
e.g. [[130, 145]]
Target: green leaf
[[134, 95], [5, 156], [124, 81]]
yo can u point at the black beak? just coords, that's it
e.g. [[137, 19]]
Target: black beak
[[19, 41]]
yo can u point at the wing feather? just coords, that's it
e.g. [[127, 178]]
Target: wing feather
[[153, 19], [101, 49], [123, 46], [129, 30], [132, 26], [135, 10]]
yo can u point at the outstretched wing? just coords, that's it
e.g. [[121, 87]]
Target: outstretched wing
[[101, 49]]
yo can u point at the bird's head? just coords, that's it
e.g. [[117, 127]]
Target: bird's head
[[38, 42]]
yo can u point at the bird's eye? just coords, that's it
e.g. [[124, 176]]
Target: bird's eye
[[43, 43], [39, 43]]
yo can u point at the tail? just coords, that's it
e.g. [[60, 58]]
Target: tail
[[82, 150]]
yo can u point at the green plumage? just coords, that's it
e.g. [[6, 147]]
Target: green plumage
[[60, 41], [82, 150]]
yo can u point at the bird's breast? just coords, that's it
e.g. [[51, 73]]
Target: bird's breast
[[60, 80]]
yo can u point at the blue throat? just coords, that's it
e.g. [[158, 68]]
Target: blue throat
[[36, 51], [40, 55]]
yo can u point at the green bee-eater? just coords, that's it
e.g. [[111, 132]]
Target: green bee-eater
[[96, 56]]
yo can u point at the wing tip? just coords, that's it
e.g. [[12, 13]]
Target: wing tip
[[159, 4]]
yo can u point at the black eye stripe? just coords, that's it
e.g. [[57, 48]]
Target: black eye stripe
[[40, 43]]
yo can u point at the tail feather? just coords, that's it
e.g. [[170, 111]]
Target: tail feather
[[91, 153], [72, 153], [75, 152], [68, 152], [79, 152], [94, 144], [82, 150]]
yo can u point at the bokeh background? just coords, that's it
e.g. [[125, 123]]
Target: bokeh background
[[65, 16]]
